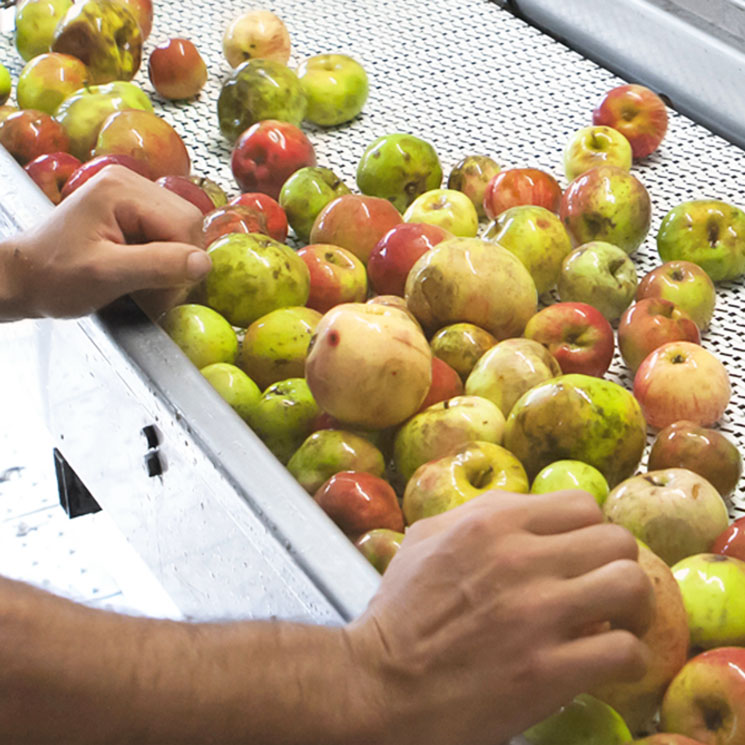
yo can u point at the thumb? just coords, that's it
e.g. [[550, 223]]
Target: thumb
[[157, 265]]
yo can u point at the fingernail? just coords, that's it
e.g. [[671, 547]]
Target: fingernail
[[198, 264]]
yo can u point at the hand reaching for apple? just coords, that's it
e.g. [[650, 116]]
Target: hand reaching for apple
[[494, 614], [118, 233]]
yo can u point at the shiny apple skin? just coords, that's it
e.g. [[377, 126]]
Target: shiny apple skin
[[595, 146], [29, 133], [461, 345], [358, 502], [637, 113], [397, 251], [50, 172], [577, 335], [143, 13], [731, 541], [336, 276], [267, 154], [446, 384], [257, 34], [188, 190], [48, 79], [379, 546], [650, 323], [234, 218], [517, 186], [472, 176], [176, 69], [146, 137], [91, 167], [263, 204], [704, 451]]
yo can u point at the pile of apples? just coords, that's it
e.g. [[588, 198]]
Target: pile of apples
[[401, 357]]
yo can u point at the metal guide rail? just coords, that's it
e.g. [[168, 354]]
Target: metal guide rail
[[220, 522]]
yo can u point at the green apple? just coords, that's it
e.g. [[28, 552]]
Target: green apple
[[713, 588], [599, 274], [36, 21], [49, 79], [471, 176], [83, 113], [105, 35], [306, 193], [275, 346], [213, 190], [238, 390], [595, 146], [252, 275], [5, 85], [584, 721], [449, 209], [440, 428], [707, 232], [473, 281], [456, 478], [536, 236], [379, 546], [202, 333], [571, 474], [510, 368], [399, 167], [336, 87], [369, 366], [675, 511], [578, 417], [283, 416], [330, 451], [461, 346], [257, 90]]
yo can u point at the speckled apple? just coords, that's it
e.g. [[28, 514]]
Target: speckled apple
[[234, 386]]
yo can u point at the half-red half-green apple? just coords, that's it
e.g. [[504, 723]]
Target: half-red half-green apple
[[336, 276], [176, 69], [517, 186], [397, 251], [637, 113], [49, 79], [267, 154], [649, 324], [275, 216], [576, 334], [682, 380], [29, 133], [50, 172]]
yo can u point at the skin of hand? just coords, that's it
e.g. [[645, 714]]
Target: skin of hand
[[494, 615], [117, 234]]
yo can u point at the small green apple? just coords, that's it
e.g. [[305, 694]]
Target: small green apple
[[448, 209], [238, 390], [399, 167], [584, 721], [5, 84], [283, 416], [571, 474], [330, 451], [202, 333], [35, 23], [713, 588], [336, 87]]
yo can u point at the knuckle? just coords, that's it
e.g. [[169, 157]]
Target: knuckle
[[621, 540], [628, 653]]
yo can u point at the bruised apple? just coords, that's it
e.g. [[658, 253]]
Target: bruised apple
[[471, 176], [461, 345], [369, 365]]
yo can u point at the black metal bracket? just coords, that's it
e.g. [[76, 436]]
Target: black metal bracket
[[74, 496]]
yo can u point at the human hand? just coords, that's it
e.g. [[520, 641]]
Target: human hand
[[118, 233], [493, 615]]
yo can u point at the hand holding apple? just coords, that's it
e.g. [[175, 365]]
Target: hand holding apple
[[570, 474]]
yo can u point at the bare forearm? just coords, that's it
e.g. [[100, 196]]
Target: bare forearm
[[77, 675], [11, 291]]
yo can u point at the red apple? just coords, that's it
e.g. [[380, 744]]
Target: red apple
[[143, 13], [446, 384], [731, 541], [518, 186], [355, 222], [336, 276], [637, 113], [682, 380], [92, 167], [650, 323], [706, 699], [357, 502], [706, 452], [30, 133], [187, 189], [267, 154], [50, 172], [684, 283], [274, 215], [397, 251], [576, 334], [146, 137], [231, 219], [176, 69]]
